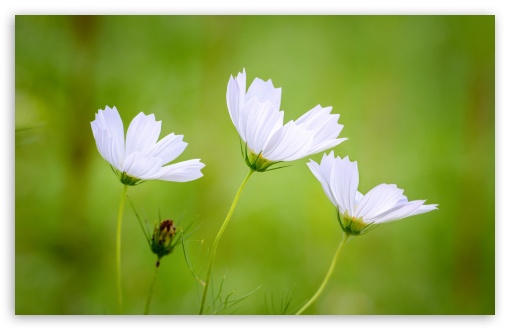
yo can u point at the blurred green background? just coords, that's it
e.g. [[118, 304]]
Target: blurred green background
[[416, 96]]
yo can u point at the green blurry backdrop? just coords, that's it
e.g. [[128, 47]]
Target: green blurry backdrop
[[416, 96]]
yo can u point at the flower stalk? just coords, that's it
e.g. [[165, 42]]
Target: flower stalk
[[218, 237], [328, 275], [151, 290], [118, 247]]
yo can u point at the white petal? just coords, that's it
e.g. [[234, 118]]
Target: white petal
[[316, 148], [142, 166], [264, 91], [290, 142], [241, 85], [323, 172], [105, 145], [424, 209], [316, 117], [233, 100], [399, 212], [168, 148], [262, 121], [344, 181], [378, 200], [359, 197], [109, 121], [181, 172], [327, 163], [116, 129], [325, 127], [142, 134], [244, 115]]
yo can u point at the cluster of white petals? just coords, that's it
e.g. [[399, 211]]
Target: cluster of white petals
[[385, 202], [257, 117], [141, 156]]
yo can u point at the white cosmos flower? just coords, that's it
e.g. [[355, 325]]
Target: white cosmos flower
[[257, 117], [339, 178], [141, 157]]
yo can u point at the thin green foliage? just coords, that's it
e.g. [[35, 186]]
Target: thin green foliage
[[28, 134], [191, 264], [283, 308], [226, 303], [146, 231], [278, 168]]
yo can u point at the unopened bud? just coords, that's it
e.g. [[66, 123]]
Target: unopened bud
[[164, 232]]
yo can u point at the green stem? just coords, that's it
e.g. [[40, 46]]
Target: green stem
[[147, 304], [328, 275], [119, 230], [217, 239]]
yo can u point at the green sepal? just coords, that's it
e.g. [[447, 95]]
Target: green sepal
[[256, 161], [125, 178], [353, 226]]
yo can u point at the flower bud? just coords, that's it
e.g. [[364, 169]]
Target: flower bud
[[164, 232]]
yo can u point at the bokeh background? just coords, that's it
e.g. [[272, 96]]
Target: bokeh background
[[416, 96]]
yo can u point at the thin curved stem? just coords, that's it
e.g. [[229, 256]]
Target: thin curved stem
[[218, 237], [147, 304], [119, 231], [326, 279]]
